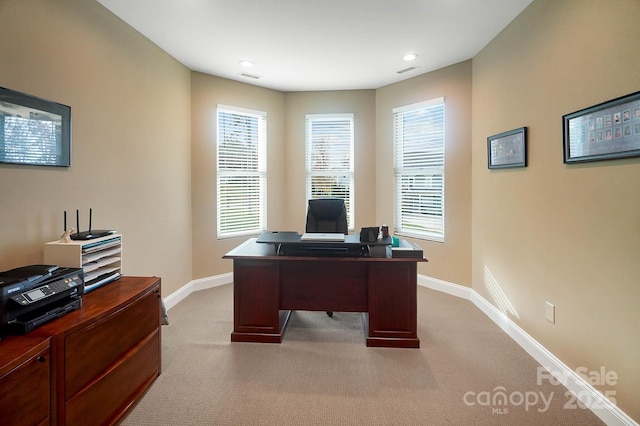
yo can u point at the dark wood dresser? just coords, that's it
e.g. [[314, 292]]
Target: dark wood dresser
[[91, 365]]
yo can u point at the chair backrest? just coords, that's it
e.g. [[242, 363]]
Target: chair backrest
[[327, 215]]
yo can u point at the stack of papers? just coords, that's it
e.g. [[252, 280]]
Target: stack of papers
[[406, 249]]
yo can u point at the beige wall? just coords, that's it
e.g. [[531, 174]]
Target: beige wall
[[362, 104], [552, 232], [449, 261], [131, 137], [206, 93]]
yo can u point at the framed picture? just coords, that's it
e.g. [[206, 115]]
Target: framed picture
[[604, 131], [508, 149], [34, 131]]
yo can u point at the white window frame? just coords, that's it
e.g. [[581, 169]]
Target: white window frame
[[340, 170], [245, 212], [419, 170]]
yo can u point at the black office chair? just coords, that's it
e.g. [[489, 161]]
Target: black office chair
[[327, 215]]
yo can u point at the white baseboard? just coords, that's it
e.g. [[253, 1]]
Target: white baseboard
[[200, 284], [584, 391]]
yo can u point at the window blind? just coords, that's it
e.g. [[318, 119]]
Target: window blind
[[329, 158], [241, 171], [419, 169]]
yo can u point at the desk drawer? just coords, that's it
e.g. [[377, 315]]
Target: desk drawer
[[393, 300], [25, 392], [255, 296], [91, 350]]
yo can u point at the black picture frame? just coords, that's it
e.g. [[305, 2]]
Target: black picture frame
[[34, 131], [508, 149], [605, 131]]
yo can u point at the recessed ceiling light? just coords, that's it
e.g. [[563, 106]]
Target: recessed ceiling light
[[246, 63], [410, 56]]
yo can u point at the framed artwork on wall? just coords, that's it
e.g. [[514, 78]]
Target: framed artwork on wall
[[602, 132], [507, 149], [34, 131]]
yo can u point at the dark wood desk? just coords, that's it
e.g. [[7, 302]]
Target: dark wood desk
[[267, 287]]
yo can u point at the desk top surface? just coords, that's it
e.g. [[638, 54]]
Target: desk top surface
[[252, 249], [292, 237]]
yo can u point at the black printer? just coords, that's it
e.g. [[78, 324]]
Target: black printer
[[36, 294]]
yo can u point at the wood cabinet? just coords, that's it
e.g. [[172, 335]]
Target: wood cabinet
[[92, 364]]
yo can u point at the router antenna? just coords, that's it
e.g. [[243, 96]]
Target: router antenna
[[65, 220], [78, 220], [90, 214]]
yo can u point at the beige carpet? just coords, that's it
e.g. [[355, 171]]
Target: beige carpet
[[323, 374]]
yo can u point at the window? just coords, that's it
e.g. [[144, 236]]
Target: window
[[329, 158], [241, 171], [419, 169]]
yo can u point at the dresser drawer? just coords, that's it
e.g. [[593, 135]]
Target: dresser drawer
[[88, 352], [112, 393], [24, 392]]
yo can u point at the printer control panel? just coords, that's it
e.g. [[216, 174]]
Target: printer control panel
[[37, 294]]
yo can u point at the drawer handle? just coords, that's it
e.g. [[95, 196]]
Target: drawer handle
[[41, 359]]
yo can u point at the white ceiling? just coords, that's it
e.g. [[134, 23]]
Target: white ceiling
[[300, 45]]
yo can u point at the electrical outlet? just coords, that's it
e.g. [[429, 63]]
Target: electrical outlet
[[550, 312]]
